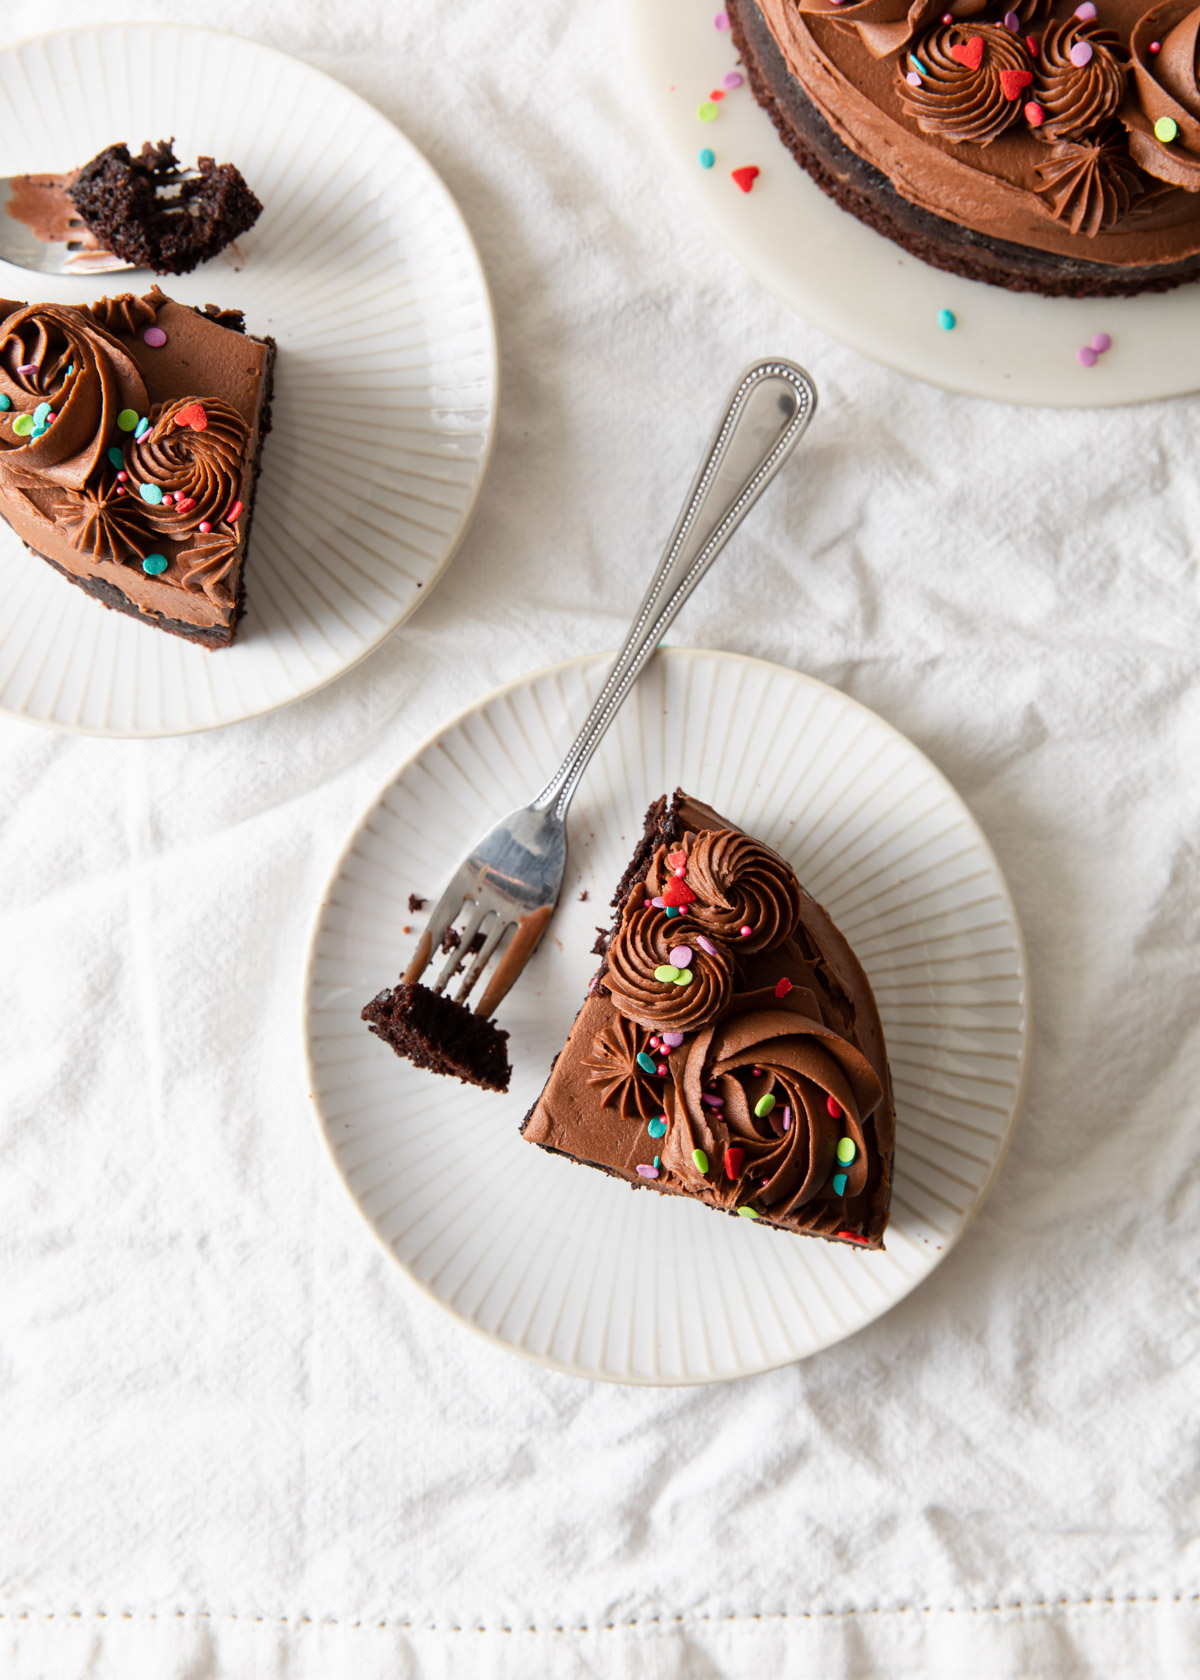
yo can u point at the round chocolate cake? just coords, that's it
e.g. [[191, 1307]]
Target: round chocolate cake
[[1043, 145]]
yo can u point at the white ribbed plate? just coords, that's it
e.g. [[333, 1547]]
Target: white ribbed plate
[[558, 1261], [863, 289], [385, 386]]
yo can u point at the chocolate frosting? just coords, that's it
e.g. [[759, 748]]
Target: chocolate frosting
[[972, 101], [1165, 85], [206, 563], [127, 313], [198, 466], [51, 353], [738, 882], [102, 524], [612, 1065], [643, 943], [1078, 99], [883, 25], [1090, 186]]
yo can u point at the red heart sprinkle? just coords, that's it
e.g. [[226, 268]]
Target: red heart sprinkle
[[746, 177], [733, 1161], [1012, 81], [194, 416], [783, 987], [677, 893], [677, 860], [969, 53]]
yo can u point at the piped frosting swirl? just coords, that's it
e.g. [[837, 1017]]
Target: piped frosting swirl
[[1089, 186], [739, 883], [1166, 85], [643, 945], [613, 1065], [192, 453], [971, 82], [1079, 79]]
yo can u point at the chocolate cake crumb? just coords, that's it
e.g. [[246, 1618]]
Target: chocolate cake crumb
[[415, 903], [437, 1033]]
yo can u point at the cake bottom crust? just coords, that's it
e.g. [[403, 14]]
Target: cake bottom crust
[[866, 193]]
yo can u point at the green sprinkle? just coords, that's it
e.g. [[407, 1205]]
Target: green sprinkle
[[683, 977], [666, 972], [5, 402], [707, 112], [1166, 129], [947, 320], [154, 563], [847, 1149], [657, 1128], [839, 1184], [151, 493], [764, 1105], [701, 1159], [748, 1213], [128, 419], [647, 1063], [23, 425]]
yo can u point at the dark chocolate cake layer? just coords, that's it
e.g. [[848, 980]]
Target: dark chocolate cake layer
[[753, 1078], [435, 1032]]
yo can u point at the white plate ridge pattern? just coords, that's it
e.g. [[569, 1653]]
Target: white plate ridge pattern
[[385, 384], [562, 1263]]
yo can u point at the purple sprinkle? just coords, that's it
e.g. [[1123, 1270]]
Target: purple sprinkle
[[1086, 356], [28, 368], [647, 1172], [672, 1040], [732, 79], [592, 984], [706, 945], [1012, 23], [721, 21], [155, 337], [658, 903], [913, 79], [680, 956], [711, 1098], [787, 1119], [1086, 12], [1081, 54], [1101, 343]]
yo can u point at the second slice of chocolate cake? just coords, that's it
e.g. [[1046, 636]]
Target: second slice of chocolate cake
[[731, 1050]]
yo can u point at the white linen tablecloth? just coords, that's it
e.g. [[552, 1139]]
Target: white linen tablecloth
[[234, 1441]]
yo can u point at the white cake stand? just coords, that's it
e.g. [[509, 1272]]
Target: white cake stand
[[864, 290]]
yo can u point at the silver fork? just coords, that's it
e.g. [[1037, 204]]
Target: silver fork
[[64, 245], [512, 877]]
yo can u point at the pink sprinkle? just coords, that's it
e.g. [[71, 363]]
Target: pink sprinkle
[[1086, 12], [1081, 53], [913, 79], [681, 872], [206, 528], [732, 79], [595, 977], [757, 1072], [232, 516], [658, 903], [681, 956], [654, 1042], [706, 945], [51, 416], [155, 337], [120, 489], [121, 477], [787, 1119], [661, 1069], [712, 1099], [1086, 356], [1156, 46], [168, 499], [647, 1172], [1012, 23], [745, 932], [672, 1040], [1101, 343], [28, 368], [721, 21], [1034, 115]]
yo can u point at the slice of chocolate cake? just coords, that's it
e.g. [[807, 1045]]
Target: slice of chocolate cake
[[130, 437], [437, 1033], [731, 1050]]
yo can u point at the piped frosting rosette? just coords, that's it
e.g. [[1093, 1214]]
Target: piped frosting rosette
[[1162, 111], [55, 360], [187, 467], [760, 1101], [1079, 79], [738, 884], [613, 1066], [646, 982], [1090, 186], [970, 82]]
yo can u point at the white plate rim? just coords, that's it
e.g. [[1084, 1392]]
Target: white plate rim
[[420, 596], [546, 1361]]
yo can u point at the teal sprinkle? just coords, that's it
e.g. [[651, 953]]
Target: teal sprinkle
[[5, 402], [707, 158], [38, 431], [839, 1184], [674, 910], [116, 457], [916, 64], [657, 1128], [142, 427], [40, 413], [154, 563], [70, 370], [947, 320], [152, 494], [656, 1159], [643, 1060]]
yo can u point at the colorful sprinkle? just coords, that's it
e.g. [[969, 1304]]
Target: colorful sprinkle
[[1032, 45], [947, 320], [1086, 356], [712, 1099], [194, 415], [128, 419], [763, 1106], [734, 1156], [27, 368], [839, 1184], [707, 112], [847, 1149], [154, 564], [41, 413], [151, 493], [748, 1212], [833, 1108], [706, 945], [676, 892], [185, 504], [647, 1172], [716, 96], [1156, 46], [1101, 343], [658, 904], [205, 527], [1012, 22], [1086, 12], [733, 79], [5, 402], [23, 425], [674, 910], [672, 1040], [1081, 54], [745, 932], [677, 860], [681, 956], [1166, 129], [721, 21], [116, 457], [787, 1119], [155, 337], [70, 370], [917, 65], [746, 176], [661, 1070], [913, 79], [1013, 82], [782, 987], [645, 1062], [666, 972], [1034, 115], [701, 1159], [234, 514], [140, 430], [853, 1236], [707, 158], [684, 977], [657, 1128]]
